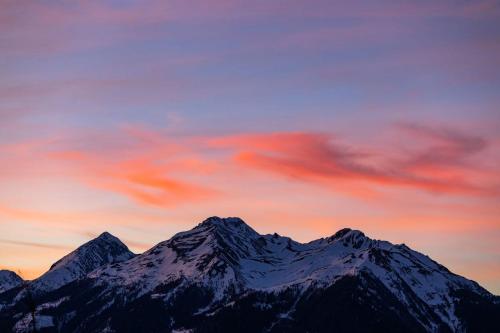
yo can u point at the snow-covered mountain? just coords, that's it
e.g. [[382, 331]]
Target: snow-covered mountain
[[9, 280], [100, 251], [222, 276]]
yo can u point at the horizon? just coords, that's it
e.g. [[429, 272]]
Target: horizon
[[302, 117]]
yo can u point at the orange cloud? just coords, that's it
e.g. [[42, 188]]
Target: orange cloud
[[144, 165], [319, 158], [153, 168], [141, 179], [147, 167], [157, 190]]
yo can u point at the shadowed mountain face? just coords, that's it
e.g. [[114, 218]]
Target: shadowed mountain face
[[222, 276]]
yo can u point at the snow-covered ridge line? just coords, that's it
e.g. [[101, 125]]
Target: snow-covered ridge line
[[225, 253], [225, 260], [104, 249]]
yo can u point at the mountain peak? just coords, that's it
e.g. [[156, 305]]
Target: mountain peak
[[105, 234], [9, 280], [102, 250], [106, 243], [348, 232], [226, 225], [349, 237], [223, 221], [108, 237]]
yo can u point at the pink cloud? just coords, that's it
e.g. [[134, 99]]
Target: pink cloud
[[319, 159], [142, 179], [157, 169]]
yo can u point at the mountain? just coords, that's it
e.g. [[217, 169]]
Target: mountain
[[104, 249], [222, 276], [9, 280]]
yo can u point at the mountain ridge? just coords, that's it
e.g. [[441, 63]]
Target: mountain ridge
[[205, 277], [95, 253]]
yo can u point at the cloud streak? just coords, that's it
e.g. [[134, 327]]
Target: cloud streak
[[321, 159], [37, 245], [147, 167]]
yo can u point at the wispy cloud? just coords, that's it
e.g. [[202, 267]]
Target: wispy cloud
[[155, 168], [446, 147], [34, 244], [150, 169], [321, 159]]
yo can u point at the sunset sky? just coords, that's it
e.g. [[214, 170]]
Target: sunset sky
[[301, 117]]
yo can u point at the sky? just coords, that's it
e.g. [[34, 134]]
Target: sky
[[143, 118]]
